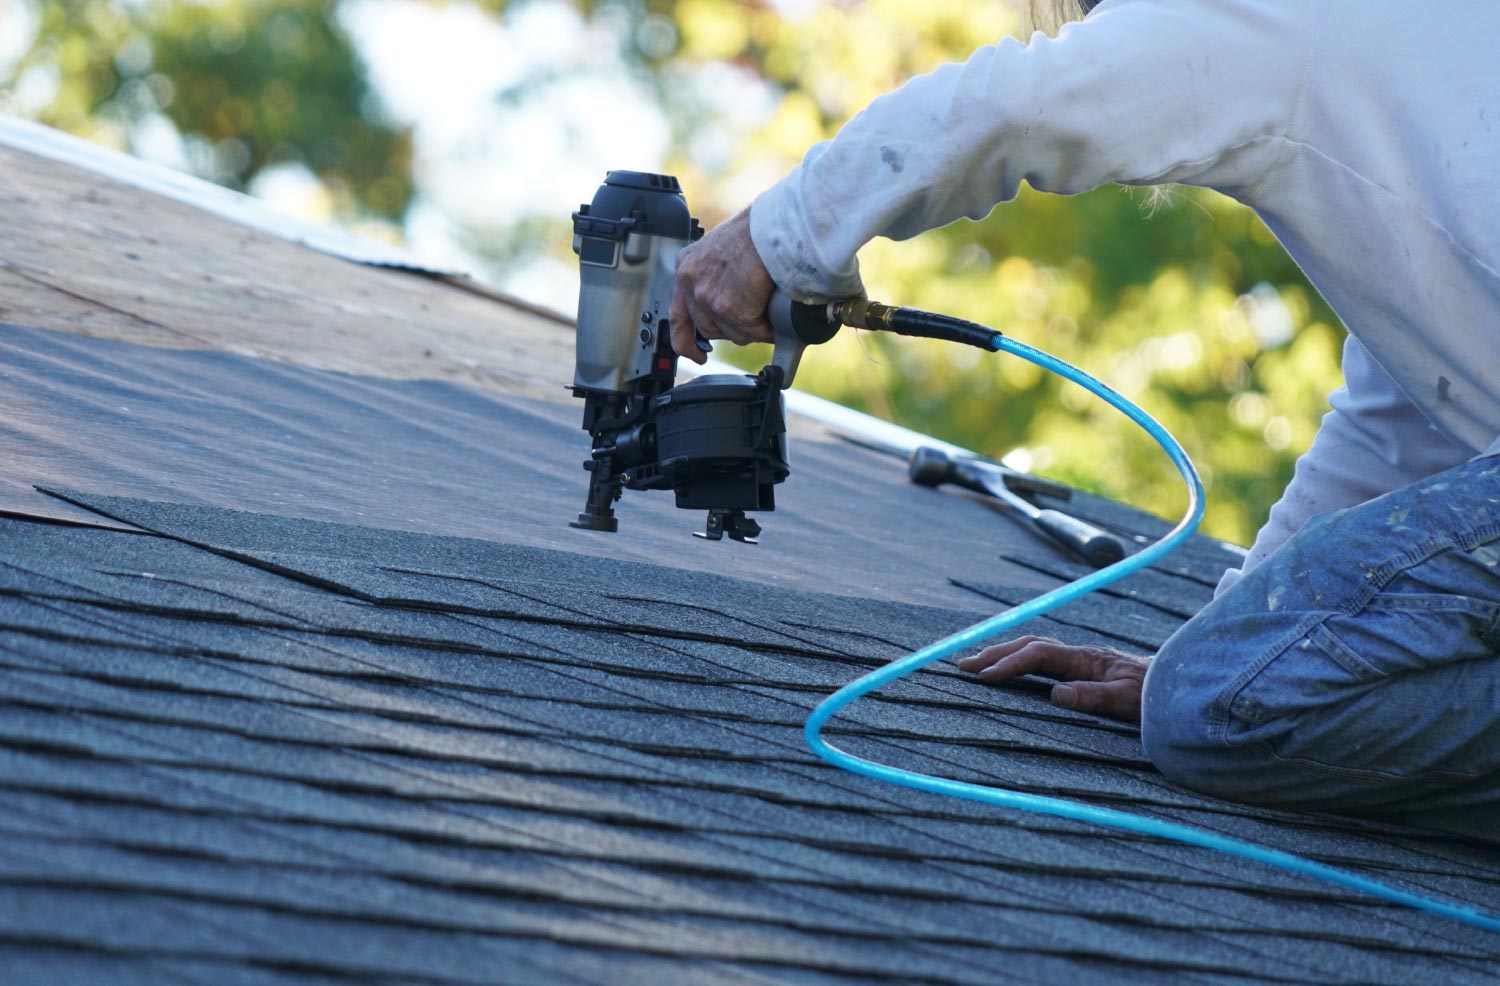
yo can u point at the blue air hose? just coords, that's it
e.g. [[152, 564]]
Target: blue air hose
[[921, 323]]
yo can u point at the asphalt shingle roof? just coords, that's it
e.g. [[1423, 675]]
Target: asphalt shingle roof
[[316, 743]]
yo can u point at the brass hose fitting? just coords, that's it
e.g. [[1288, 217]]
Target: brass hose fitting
[[862, 313]]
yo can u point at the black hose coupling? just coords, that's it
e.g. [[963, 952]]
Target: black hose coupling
[[861, 313], [930, 325]]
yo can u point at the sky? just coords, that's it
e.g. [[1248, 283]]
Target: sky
[[439, 70]]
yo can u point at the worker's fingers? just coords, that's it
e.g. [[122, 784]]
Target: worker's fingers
[[734, 318], [1117, 699], [705, 323], [683, 338], [740, 333], [1034, 655], [721, 310], [993, 653], [722, 289], [1090, 679]]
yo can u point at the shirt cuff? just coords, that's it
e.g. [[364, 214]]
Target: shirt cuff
[[789, 248]]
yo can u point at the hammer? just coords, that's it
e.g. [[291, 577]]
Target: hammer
[[933, 467]]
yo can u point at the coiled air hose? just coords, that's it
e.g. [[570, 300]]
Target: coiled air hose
[[906, 321]]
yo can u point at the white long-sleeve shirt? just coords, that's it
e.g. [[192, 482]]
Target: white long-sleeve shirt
[[1365, 133]]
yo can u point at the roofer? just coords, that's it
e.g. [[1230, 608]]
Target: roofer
[[1351, 664]]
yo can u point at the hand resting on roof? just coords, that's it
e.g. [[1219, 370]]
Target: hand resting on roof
[[1090, 679]]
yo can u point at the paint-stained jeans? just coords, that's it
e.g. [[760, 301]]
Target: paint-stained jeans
[[1356, 670]]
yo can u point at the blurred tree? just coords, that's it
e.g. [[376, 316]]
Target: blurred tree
[[1182, 302], [248, 84]]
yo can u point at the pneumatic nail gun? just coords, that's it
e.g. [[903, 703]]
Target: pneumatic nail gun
[[717, 441]]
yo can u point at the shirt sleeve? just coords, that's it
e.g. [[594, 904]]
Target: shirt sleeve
[[1374, 440], [1141, 92]]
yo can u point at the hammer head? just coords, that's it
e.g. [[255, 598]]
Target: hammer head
[[930, 466]]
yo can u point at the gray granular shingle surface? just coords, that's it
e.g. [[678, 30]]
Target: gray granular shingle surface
[[243, 748], [300, 746]]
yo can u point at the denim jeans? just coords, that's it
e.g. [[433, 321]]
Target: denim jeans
[[1356, 670]]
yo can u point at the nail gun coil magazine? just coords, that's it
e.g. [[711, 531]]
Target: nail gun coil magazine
[[721, 441]]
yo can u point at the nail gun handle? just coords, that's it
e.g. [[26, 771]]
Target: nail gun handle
[[796, 326], [810, 325], [1097, 547]]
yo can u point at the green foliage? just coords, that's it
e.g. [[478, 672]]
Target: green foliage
[[253, 83], [1167, 300]]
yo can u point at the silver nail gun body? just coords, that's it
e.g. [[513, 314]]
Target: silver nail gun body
[[627, 241]]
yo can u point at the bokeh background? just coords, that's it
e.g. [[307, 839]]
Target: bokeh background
[[470, 130]]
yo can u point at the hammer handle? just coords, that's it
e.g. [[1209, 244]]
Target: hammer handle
[[1095, 546]]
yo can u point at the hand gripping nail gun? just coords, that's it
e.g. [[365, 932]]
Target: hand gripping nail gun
[[717, 441]]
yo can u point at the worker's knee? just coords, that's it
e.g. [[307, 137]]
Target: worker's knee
[[1342, 671], [1277, 709], [1180, 730], [1233, 681], [1224, 689]]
